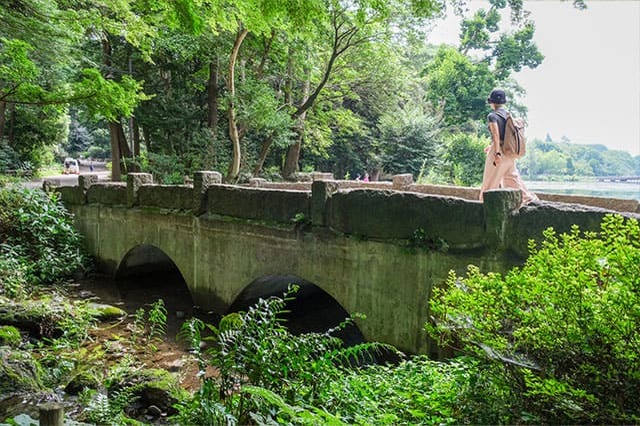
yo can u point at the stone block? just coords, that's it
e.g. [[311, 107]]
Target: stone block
[[499, 206], [321, 192], [402, 182], [110, 194], [73, 195], [256, 182], [85, 181], [134, 182], [201, 181], [397, 215], [257, 203], [175, 197], [49, 185], [315, 176]]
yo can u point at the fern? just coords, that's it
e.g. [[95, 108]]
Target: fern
[[191, 334], [104, 410], [205, 408], [363, 353], [157, 319], [98, 410], [286, 413]]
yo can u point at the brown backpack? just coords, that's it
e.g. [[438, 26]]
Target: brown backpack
[[515, 141]]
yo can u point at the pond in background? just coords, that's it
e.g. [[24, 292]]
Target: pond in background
[[625, 190]]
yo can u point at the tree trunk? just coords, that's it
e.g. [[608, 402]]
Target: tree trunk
[[343, 39], [147, 138], [125, 150], [234, 166], [114, 127], [136, 139], [3, 108], [12, 123], [266, 144], [116, 172], [212, 117], [288, 100], [212, 96], [293, 153]]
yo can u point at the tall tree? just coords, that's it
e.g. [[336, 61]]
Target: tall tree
[[348, 25]]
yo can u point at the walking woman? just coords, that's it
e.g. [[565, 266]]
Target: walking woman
[[500, 167]]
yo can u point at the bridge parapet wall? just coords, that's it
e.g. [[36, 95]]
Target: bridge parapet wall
[[178, 197], [110, 194], [498, 224], [617, 204], [389, 215], [257, 203], [405, 183]]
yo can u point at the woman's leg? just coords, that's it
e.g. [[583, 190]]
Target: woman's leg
[[493, 177], [512, 179]]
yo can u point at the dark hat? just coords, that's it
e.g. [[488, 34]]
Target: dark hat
[[497, 96]]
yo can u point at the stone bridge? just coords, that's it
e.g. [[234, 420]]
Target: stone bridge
[[375, 248]]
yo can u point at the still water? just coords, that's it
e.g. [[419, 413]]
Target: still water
[[625, 190]]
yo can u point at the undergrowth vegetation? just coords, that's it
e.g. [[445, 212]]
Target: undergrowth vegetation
[[267, 375], [553, 342], [564, 327], [37, 238]]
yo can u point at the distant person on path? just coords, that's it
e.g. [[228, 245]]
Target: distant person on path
[[366, 177], [500, 167], [90, 164]]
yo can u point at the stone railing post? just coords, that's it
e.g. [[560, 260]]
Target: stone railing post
[[257, 182], [134, 182], [85, 181], [49, 185], [321, 176], [321, 192], [499, 205], [402, 182], [201, 181]]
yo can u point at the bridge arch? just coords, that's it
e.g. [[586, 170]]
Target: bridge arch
[[145, 274], [144, 258], [311, 310]]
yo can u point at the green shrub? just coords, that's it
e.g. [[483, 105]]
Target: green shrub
[[9, 158], [564, 326], [166, 169], [13, 283], [464, 159], [38, 230], [418, 391]]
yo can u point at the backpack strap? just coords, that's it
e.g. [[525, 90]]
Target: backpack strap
[[502, 116], [499, 114]]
